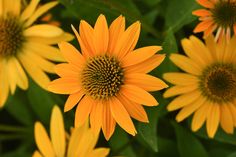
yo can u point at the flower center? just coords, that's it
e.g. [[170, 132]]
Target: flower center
[[224, 13], [218, 83], [11, 36], [102, 77]]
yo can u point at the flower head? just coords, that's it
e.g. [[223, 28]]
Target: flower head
[[207, 87], [80, 143], [25, 46], [219, 14], [108, 79]]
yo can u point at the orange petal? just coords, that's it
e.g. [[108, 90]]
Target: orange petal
[[202, 26], [202, 12], [71, 54], [108, 122], [226, 119], [127, 42], [210, 30], [144, 81], [139, 55], [121, 116], [72, 100], [206, 3], [147, 65], [101, 35], [181, 78], [178, 89], [213, 120], [138, 95], [135, 110], [64, 86], [96, 117], [116, 29], [67, 70], [83, 110]]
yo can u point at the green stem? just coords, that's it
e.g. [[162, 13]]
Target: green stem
[[8, 128], [4, 137]]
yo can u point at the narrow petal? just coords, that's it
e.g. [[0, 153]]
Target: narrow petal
[[67, 70], [1, 8], [232, 109], [213, 120], [37, 154], [139, 55], [147, 65], [108, 122], [177, 90], [4, 84], [226, 119], [127, 42], [42, 140], [138, 95], [11, 74], [116, 29], [183, 100], [206, 3], [83, 110], [202, 26], [65, 86], [71, 54], [96, 117], [29, 10], [186, 64], [144, 81], [135, 110], [101, 35], [40, 11], [181, 78], [12, 7], [202, 12], [189, 109], [57, 132], [99, 152], [211, 45], [43, 30], [121, 116], [73, 99]]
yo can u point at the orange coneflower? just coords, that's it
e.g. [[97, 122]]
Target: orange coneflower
[[219, 14], [25, 46], [108, 79], [208, 86], [80, 143]]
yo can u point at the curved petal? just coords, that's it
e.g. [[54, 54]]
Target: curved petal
[[213, 120], [29, 10], [182, 79], [67, 70], [206, 3], [177, 90], [43, 30], [72, 100], [99, 152], [37, 154]]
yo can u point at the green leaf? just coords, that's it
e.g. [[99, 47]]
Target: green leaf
[[188, 144], [179, 13], [232, 155]]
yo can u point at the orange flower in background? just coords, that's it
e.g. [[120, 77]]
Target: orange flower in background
[[80, 143], [25, 47], [108, 80], [207, 87], [219, 15]]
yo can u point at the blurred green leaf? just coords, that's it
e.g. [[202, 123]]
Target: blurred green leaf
[[179, 13], [188, 144], [232, 155]]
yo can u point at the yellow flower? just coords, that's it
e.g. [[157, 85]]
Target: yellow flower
[[108, 79], [80, 143], [219, 14], [207, 88], [26, 47]]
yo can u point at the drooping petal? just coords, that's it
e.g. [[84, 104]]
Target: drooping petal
[[96, 116], [213, 120], [226, 119], [202, 26], [73, 99], [4, 84]]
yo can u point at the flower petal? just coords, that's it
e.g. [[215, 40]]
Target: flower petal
[[29, 10], [177, 90], [181, 78], [72, 100], [213, 120], [226, 119], [43, 30], [96, 117]]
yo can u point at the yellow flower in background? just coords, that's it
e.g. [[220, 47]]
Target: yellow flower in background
[[25, 46], [108, 79], [80, 143], [220, 15], [207, 87]]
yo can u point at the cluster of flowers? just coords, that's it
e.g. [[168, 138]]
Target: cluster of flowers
[[108, 79]]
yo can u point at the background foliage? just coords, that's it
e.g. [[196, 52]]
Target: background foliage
[[164, 22]]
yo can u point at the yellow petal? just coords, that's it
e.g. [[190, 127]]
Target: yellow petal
[[121, 116], [177, 90], [147, 65], [40, 11], [135, 110], [72, 100], [138, 95], [139, 55], [83, 110], [116, 29], [43, 30], [232, 109], [4, 84], [42, 140], [11, 74], [99, 152], [1, 8], [96, 117], [183, 100], [29, 10], [186, 64], [213, 120], [57, 132], [101, 35], [182, 79], [128, 40], [144, 81], [108, 122], [12, 7], [37, 154], [226, 119]]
